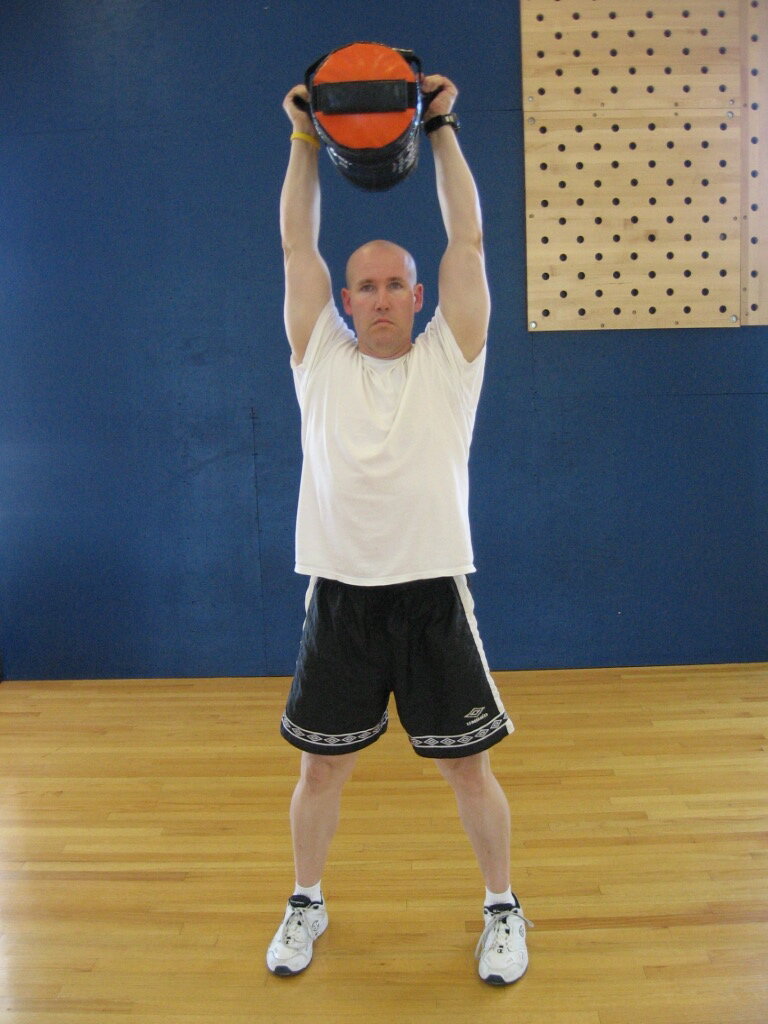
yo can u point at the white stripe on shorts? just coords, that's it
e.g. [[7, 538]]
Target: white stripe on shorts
[[468, 603]]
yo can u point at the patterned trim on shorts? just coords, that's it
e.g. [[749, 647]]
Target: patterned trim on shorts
[[310, 741], [437, 745]]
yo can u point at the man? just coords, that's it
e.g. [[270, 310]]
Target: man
[[383, 532]]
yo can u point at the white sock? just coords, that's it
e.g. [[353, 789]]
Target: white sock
[[313, 892], [498, 897]]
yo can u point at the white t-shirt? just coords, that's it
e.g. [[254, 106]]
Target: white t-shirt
[[384, 486]]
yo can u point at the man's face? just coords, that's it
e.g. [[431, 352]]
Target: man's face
[[382, 297]]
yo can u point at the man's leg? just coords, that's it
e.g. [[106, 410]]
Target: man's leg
[[484, 813], [315, 809]]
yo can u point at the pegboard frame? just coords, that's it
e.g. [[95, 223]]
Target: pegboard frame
[[754, 191]]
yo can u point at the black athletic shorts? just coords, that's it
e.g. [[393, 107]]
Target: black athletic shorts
[[418, 640]]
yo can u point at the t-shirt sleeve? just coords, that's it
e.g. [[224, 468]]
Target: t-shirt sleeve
[[329, 332], [466, 377]]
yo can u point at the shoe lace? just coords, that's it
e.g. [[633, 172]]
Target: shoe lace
[[496, 922], [295, 930]]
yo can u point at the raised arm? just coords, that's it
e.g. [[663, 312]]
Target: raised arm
[[307, 280], [463, 286]]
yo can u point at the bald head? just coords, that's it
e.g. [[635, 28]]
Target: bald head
[[382, 296], [378, 249]]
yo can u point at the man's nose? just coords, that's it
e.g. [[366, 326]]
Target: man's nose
[[382, 299]]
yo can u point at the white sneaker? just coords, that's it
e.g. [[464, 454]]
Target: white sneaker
[[291, 948], [501, 950]]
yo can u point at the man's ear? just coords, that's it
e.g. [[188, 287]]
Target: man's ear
[[345, 299], [418, 295]]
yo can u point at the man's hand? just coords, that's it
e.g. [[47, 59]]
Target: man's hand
[[445, 99], [300, 119]]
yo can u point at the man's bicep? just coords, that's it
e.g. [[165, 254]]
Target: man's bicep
[[307, 293], [464, 298]]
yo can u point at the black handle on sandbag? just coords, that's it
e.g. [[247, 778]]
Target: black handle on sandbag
[[381, 96], [426, 98], [408, 55]]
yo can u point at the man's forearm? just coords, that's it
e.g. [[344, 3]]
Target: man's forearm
[[300, 199], [456, 190]]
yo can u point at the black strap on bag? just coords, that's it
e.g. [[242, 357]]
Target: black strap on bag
[[371, 97]]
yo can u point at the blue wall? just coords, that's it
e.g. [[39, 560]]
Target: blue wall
[[149, 444]]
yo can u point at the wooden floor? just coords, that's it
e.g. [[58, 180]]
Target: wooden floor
[[145, 858]]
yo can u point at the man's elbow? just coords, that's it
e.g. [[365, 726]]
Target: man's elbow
[[468, 242]]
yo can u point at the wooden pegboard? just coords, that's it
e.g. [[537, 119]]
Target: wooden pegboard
[[633, 219], [636, 201]]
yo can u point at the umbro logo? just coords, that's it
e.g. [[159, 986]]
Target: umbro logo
[[476, 715]]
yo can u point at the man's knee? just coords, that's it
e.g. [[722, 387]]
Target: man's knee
[[320, 772], [466, 773]]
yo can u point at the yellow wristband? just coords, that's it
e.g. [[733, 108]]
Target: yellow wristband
[[306, 137]]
